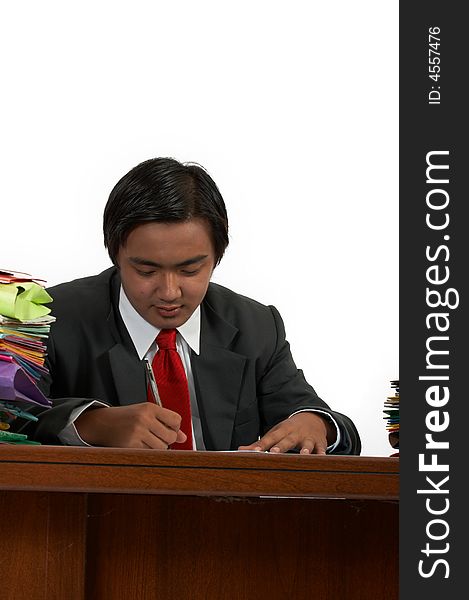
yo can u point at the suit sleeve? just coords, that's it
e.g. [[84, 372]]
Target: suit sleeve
[[283, 389]]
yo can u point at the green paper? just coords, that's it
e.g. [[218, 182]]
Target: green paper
[[7, 436], [23, 301]]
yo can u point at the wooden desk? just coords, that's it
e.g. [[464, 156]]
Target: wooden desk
[[99, 524]]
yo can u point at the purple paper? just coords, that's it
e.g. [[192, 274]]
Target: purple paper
[[15, 386]]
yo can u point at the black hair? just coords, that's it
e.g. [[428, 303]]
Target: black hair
[[166, 191]]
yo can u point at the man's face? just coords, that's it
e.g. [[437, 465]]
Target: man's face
[[165, 270]]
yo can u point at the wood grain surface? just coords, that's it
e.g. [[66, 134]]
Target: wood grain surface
[[186, 472], [110, 524]]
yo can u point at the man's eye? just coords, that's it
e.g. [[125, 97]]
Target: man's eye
[[145, 273], [190, 272]]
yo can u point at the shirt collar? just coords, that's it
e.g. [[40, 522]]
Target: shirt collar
[[143, 334]]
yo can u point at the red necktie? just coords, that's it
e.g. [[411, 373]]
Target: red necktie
[[172, 383]]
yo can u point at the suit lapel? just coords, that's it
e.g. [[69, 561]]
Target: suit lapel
[[127, 370], [128, 374], [218, 374]]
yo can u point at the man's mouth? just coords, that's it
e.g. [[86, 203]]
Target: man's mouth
[[169, 311]]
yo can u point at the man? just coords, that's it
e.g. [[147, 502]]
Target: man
[[166, 229]]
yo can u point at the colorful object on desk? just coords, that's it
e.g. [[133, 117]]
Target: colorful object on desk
[[391, 412], [23, 300], [7, 276], [10, 412], [24, 329], [24, 342], [15, 386], [15, 438]]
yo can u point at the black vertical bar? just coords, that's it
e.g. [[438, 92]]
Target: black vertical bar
[[434, 269]]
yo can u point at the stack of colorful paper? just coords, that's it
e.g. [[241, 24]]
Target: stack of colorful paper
[[391, 411], [24, 328]]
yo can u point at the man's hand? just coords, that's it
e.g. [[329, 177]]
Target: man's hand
[[307, 431], [144, 425]]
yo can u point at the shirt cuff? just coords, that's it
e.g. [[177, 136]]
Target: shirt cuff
[[333, 446], [69, 435]]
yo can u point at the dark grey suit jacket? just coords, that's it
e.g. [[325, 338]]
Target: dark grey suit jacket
[[245, 378]]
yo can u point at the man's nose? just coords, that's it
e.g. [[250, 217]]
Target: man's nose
[[169, 288]]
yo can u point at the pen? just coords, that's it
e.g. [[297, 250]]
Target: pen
[[152, 382]]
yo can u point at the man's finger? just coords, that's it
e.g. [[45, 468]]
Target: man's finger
[[308, 446], [320, 447], [154, 442], [252, 447], [278, 440], [181, 437]]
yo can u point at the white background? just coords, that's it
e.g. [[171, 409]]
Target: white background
[[293, 110]]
